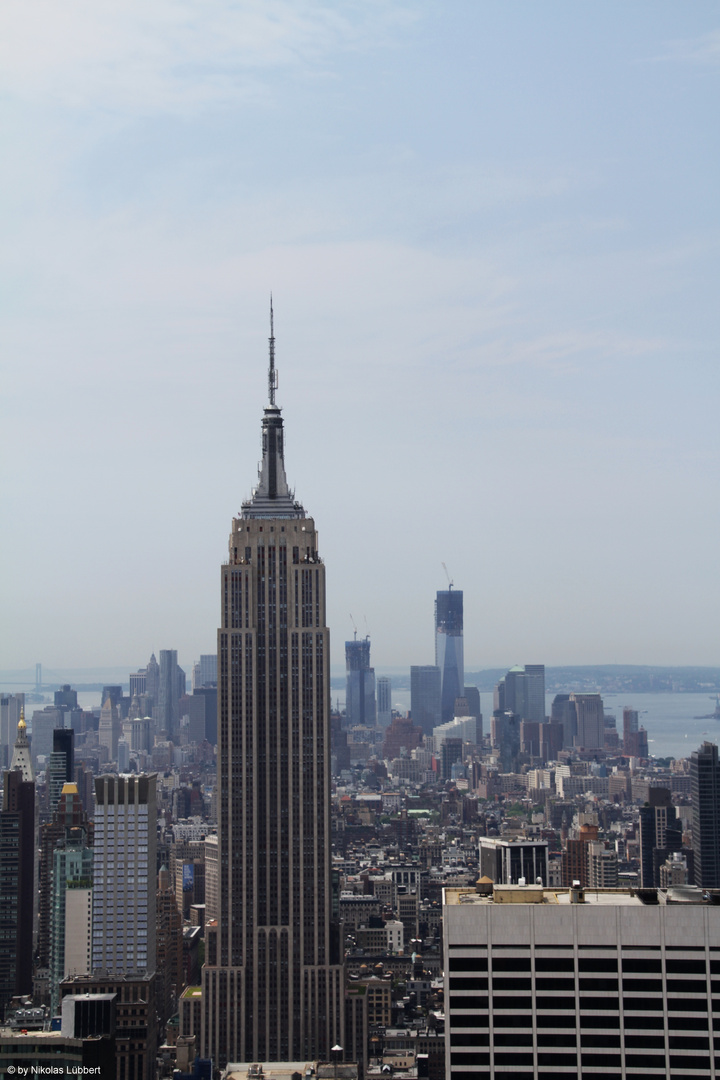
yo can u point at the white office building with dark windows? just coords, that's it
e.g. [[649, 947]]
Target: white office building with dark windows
[[594, 984]]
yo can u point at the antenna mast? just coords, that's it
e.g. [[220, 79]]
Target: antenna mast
[[272, 373]]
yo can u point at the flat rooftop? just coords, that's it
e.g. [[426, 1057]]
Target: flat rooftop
[[539, 894]]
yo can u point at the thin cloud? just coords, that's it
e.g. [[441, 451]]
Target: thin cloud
[[178, 55], [566, 352], [702, 50]]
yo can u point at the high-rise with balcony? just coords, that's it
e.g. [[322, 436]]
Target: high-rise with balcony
[[272, 980]]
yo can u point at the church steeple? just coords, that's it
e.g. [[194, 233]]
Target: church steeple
[[272, 497], [21, 754]]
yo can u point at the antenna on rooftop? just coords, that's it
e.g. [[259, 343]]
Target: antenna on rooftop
[[272, 373]]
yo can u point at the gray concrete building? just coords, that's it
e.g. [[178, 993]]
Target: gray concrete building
[[425, 685], [522, 692], [590, 714], [125, 846], [171, 687], [384, 701]]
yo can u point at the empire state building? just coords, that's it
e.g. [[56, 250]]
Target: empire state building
[[272, 981]]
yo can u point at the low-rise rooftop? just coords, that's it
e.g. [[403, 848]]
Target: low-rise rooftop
[[540, 894]]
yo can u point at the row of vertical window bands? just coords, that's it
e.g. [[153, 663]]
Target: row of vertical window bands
[[589, 1006], [649, 1063], [567, 1020], [468, 1072], [558, 985], [585, 965], [588, 1042]]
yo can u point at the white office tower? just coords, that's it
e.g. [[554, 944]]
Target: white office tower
[[125, 874], [461, 727], [594, 985]]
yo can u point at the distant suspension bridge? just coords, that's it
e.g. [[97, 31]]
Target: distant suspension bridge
[[38, 680]]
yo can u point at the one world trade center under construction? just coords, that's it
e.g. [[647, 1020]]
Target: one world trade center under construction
[[449, 648]]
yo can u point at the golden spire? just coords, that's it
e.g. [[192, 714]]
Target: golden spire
[[21, 754]]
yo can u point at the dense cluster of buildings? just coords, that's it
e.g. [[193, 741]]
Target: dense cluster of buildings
[[239, 881]]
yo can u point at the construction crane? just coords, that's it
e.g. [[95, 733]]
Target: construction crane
[[450, 584]]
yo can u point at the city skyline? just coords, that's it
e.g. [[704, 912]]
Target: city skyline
[[492, 238]]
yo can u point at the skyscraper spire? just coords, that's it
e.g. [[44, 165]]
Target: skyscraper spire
[[272, 374], [272, 497]]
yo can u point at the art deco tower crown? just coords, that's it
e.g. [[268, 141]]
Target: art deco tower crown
[[272, 497]]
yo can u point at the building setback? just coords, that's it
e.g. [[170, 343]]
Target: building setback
[[272, 980], [601, 985]]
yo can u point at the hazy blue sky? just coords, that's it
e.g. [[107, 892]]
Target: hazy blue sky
[[491, 231]]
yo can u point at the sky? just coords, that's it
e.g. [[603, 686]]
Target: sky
[[491, 235]]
